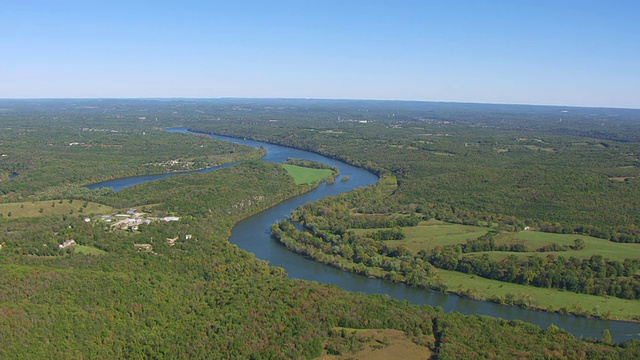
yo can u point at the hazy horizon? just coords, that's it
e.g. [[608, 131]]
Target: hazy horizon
[[177, 98], [568, 53]]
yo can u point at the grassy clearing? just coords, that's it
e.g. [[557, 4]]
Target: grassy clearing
[[379, 344], [440, 153], [542, 298], [620, 179], [538, 148], [52, 207], [408, 147], [432, 233], [593, 246], [82, 249], [303, 175]]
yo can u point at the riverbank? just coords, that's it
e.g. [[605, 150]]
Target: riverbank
[[541, 299], [419, 275]]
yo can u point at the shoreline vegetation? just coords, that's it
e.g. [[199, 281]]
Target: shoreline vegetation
[[463, 284]]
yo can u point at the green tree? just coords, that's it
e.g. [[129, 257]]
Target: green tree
[[578, 244], [606, 337]]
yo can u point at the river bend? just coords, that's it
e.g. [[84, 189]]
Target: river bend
[[253, 234]]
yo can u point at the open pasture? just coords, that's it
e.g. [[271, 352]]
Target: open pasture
[[430, 234], [51, 207], [303, 175]]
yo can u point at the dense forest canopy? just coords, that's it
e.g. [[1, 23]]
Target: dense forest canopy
[[177, 289]]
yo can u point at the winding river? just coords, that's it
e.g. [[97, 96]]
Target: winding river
[[253, 235]]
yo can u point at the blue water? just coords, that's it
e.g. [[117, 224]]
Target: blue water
[[123, 183]]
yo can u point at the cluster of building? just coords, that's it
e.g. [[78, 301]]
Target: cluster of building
[[132, 220], [67, 244], [172, 241]]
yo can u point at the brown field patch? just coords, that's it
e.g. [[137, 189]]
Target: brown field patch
[[622, 179], [52, 207], [382, 344]]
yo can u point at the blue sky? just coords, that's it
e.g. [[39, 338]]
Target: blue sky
[[583, 53]]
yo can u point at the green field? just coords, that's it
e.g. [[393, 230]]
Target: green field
[[538, 148], [432, 233], [303, 175], [593, 246], [82, 249], [543, 298], [51, 207]]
